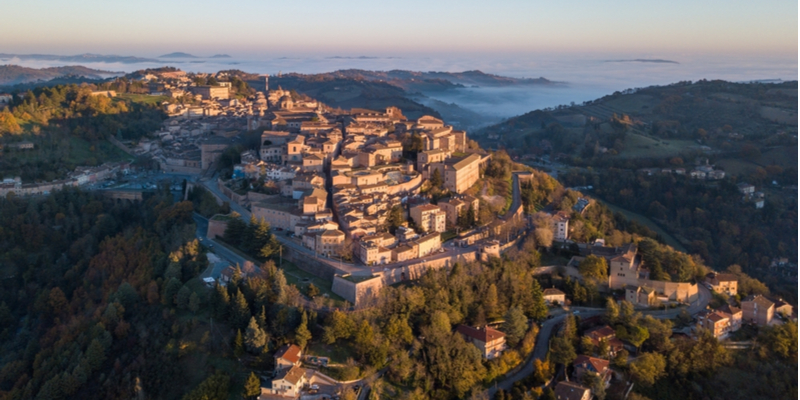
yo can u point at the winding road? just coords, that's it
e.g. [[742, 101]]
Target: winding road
[[546, 333]]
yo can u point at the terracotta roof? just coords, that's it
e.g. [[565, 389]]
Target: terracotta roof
[[598, 364], [485, 334], [729, 309], [717, 317], [292, 375], [760, 300], [601, 332], [289, 353], [570, 391]]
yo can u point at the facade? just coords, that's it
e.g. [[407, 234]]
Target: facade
[[723, 283], [718, 323], [461, 174], [489, 341], [455, 206], [758, 309], [429, 218], [554, 296], [289, 382], [212, 92], [641, 296], [561, 226]]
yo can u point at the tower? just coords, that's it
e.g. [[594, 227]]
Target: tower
[[266, 83]]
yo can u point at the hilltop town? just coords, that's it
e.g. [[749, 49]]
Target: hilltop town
[[342, 254]]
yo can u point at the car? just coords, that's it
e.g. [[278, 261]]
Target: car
[[211, 245], [314, 387], [550, 317], [576, 312]]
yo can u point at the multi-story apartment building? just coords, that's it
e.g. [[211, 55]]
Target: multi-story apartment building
[[429, 218]]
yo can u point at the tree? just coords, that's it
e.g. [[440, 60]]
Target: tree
[[538, 308], [364, 338], [490, 303], [436, 179], [235, 231], [194, 303], [621, 358], [648, 368], [626, 312], [182, 299], [395, 218], [612, 311], [312, 290], [515, 325], [562, 351], [240, 311], [252, 387], [238, 344], [255, 339], [302, 334], [95, 354], [594, 268]]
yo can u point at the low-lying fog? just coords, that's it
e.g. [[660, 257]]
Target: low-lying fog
[[580, 79]]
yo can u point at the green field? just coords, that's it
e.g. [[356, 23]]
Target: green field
[[143, 98], [668, 239], [640, 146]]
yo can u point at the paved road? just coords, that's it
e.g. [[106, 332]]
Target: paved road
[[546, 332]]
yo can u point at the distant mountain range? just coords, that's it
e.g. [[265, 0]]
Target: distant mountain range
[[80, 58], [14, 74], [178, 54], [647, 60], [427, 81]]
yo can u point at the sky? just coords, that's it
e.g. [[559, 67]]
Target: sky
[[375, 28]]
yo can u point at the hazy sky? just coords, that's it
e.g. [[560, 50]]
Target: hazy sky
[[369, 27]]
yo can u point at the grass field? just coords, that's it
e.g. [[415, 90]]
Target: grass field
[[337, 352], [639, 146], [143, 98], [668, 239]]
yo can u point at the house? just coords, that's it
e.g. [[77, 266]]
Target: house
[[554, 296], [607, 334], [489, 341], [288, 382], [746, 188], [572, 391], [716, 322], [585, 364], [561, 226], [735, 315], [757, 309], [723, 283], [641, 296], [287, 356]]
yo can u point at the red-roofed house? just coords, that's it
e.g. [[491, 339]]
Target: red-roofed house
[[287, 356], [591, 365], [489, 341], [605, 333], [572, 391], [554, 296]]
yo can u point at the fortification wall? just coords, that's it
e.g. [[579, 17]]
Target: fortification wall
[[680, 291], [310, 264], [411, 185]]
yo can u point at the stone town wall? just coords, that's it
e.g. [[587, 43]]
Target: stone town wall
[[411, 185], [680, 291]]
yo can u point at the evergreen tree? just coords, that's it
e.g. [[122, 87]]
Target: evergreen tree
[[302, 335], [235, 231], [436, 179], [252, 387], [238, 344], [538, 308], [220, 302], [255, 338], [515, 325], [240, 311]]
